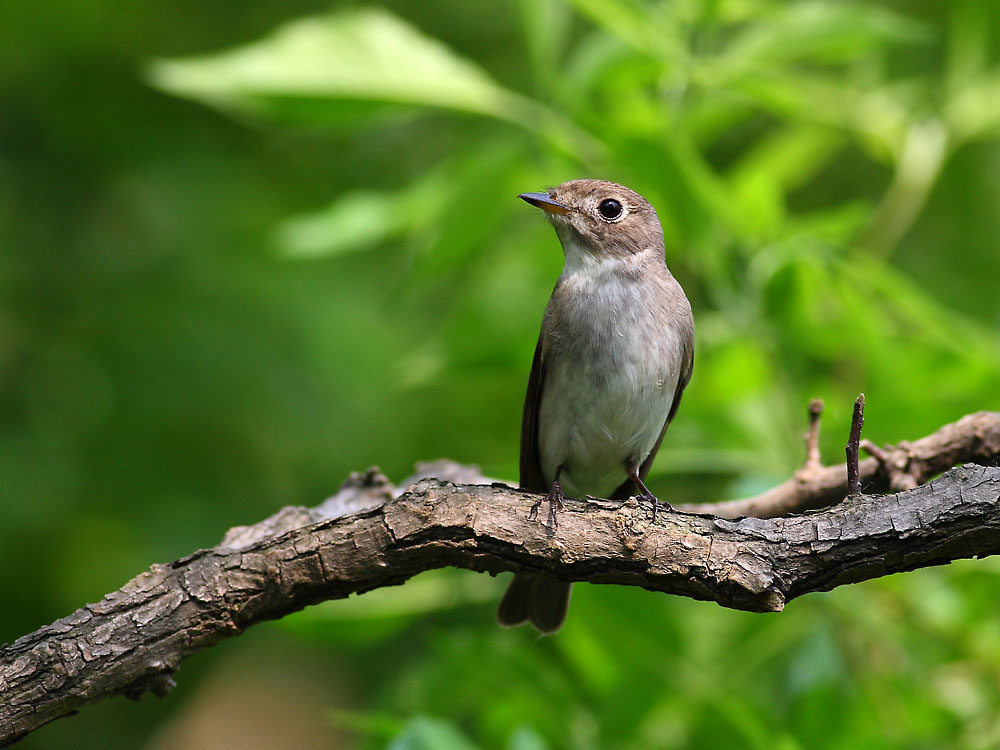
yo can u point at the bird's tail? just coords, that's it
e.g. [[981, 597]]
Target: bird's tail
[[537, 599]]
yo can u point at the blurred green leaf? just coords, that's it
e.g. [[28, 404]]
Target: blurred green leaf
[[642, 25], [355, 66], [363, 220], [354, 222], [365, 55], [547, 25], [820, 31]]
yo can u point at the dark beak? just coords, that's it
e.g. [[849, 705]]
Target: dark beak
[[544, 202]]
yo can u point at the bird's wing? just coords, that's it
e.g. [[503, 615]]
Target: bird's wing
[[531, 459], [626, 489], [682, 382]]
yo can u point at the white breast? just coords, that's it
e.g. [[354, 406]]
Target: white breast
[[612, 367]]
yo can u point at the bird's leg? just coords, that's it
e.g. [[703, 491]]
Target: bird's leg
[[555, 498], [633, 474]]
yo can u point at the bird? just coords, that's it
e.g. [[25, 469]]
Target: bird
[[614, 355]]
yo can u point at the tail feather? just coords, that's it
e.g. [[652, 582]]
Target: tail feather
[[548, 604], [537, 599], [513, 609]]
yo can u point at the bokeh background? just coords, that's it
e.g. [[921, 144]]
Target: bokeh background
[[249, 247]]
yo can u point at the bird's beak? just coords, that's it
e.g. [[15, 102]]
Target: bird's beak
[[544, 202]]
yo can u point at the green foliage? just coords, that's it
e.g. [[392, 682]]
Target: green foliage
[[209, 312]]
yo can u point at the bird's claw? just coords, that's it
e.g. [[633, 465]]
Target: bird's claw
[[656, 503], [555, 499]]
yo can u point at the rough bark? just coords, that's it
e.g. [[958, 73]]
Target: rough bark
[[371, 535]]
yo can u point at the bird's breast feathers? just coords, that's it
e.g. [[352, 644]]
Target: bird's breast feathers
[[613, 354]]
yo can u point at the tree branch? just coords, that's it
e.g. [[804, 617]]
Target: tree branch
[[365, 538], [975, 437]]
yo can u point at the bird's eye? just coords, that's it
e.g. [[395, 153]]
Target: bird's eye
[[610, 209]]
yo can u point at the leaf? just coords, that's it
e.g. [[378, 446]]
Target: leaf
[[365, 55], [876, 116], [955, 333], [354, 222], [361, 220], [637, 26], [447, 212], [790, 156], [823, 32], [350, 67], [547, 24], [774, 166]]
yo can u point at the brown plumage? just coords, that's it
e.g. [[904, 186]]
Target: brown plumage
[[614, 355]]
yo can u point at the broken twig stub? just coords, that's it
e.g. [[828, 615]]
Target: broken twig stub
[[853, 444]]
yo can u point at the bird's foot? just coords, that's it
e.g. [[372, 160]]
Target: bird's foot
[[657, 505], [555, 499]]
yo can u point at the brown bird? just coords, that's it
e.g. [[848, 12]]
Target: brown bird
[[614, 355]]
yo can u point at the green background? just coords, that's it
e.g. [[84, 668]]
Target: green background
[[249, 247]]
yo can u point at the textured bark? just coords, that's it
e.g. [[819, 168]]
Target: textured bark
[[371, 535]]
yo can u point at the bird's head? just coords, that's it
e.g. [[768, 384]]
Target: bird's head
[[600, 218]]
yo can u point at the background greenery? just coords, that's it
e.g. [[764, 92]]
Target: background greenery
[[249, 247]]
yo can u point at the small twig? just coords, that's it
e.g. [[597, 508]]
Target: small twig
[[882, 456], [853, 443], [813, 460], [897, 462]]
